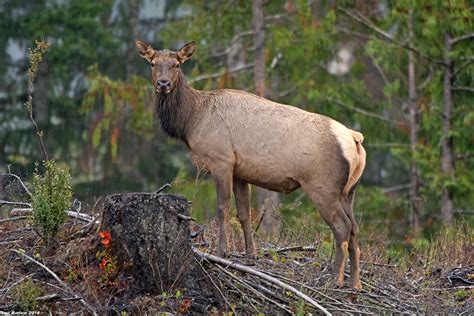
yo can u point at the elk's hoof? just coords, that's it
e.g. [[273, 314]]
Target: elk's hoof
[[223, 253], [356, 285], [251, 256]]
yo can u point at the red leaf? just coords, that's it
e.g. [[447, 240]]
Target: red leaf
[[184, 306], [103, 263], [104, 234]]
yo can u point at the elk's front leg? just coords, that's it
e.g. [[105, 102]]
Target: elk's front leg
[[223, 181], [242, 202]]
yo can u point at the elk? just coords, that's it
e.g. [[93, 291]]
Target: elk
[[243, 139]]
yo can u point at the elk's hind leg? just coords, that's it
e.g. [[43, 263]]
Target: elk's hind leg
[[354, 251], [242, 202], [333, 214]]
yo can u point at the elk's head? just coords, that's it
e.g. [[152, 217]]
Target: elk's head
[[165, 64]]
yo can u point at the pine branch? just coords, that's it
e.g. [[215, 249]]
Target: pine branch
[[359, 17], [221, 73], [461, 38], [462, 88], [362, 111], [462, 66]]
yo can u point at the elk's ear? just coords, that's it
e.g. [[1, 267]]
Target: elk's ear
[[185, 52], [144, 49]]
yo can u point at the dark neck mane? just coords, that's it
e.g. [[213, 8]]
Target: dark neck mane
[[175, 109]]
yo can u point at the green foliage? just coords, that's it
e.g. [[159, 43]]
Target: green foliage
[[115, 102], [51, 198], [25, 295], [300, 308], [461, 294]]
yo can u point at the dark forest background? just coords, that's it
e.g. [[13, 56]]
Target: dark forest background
[[401, 72]]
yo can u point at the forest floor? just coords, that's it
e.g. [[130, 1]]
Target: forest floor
[[439, 278]]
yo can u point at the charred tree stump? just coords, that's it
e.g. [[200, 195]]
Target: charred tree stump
[[150, 240]]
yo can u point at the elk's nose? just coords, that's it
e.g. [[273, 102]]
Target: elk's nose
[[163, 83]]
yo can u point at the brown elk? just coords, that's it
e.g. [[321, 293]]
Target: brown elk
[[243, 139]]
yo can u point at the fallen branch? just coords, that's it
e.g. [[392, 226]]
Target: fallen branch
[[4, 202], [163, 187], [215, 285], [266, 277], [84, 230], [81, 216], [292, 248], [380, 264], [19, 180], [254, 291], [12, 219]]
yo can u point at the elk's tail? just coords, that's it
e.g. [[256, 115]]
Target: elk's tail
[[357, 163]]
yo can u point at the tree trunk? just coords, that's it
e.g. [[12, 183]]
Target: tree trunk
[[150, 240], [267, 200], [131, 18], [447, 159], [413, 124]]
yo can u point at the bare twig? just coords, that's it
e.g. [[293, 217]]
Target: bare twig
[[221, 73], [396, 188], [260, 221], [19, 180], [3, 202], [380, 264], [462, 67], [163, 188], [292, 248], [84, 229], [364, 112], [234, 40], [464, 287]]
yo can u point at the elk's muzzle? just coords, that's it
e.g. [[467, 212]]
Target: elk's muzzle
[[163, 85]]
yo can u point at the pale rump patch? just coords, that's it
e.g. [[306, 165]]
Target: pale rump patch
[[351, 145]]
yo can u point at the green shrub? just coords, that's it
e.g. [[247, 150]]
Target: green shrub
[[51, 198], [25, 295]]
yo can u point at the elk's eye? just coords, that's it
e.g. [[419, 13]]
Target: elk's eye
[[177, 65], [152, 64]]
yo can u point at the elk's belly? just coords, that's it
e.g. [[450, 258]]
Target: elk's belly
[[266, 176]]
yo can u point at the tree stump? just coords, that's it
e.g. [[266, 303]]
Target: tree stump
[[150, 240]]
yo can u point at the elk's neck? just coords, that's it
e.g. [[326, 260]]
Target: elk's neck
[[176, 109]]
